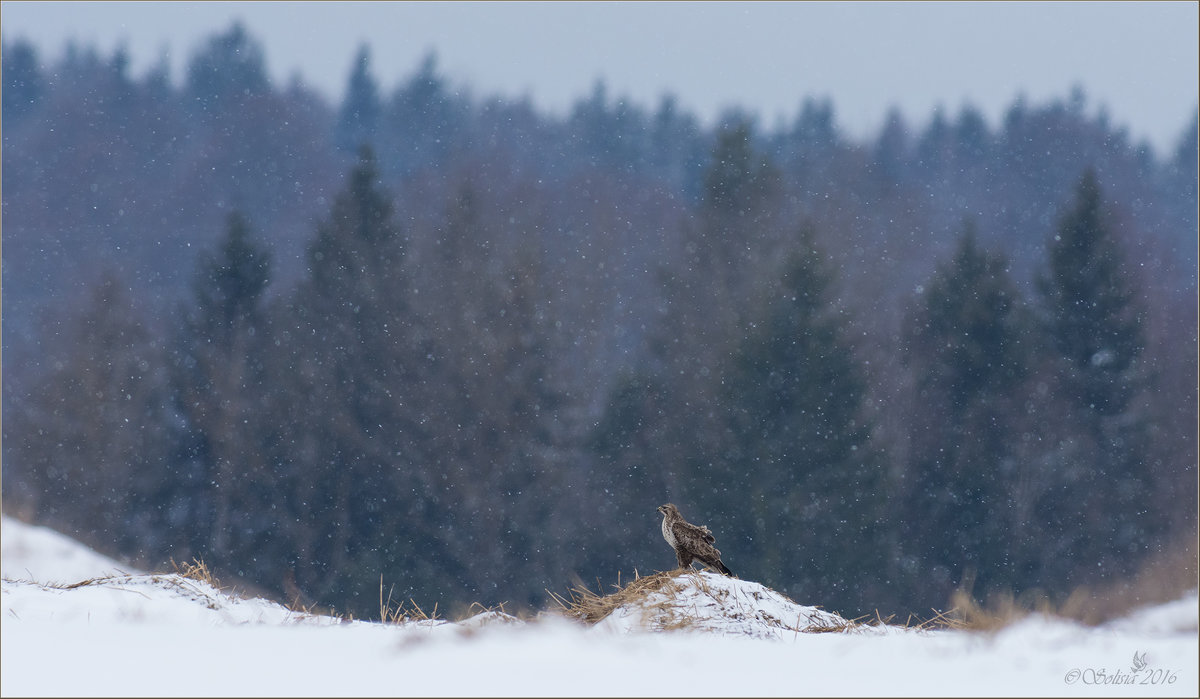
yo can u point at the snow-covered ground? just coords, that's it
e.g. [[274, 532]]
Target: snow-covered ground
[[134, 634]]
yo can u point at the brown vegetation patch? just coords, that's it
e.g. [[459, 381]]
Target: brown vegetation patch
[[591, 607], [1166, 576], [671, 600], [196, 570], [99, 580], [400, 613]]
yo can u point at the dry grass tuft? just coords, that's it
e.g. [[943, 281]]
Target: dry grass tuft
[[938, 622], [591, 607], [400, 614], [100, 580], [1001, 610], [197, 570], [1165, 577]]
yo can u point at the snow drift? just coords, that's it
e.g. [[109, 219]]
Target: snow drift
[[701, 602], [113, 632]]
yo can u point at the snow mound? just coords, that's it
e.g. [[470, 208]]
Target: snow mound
[[180, 601], [490, 618], [703, 602], [49, 577], [149, 599], [1180, 616], [31, 552]]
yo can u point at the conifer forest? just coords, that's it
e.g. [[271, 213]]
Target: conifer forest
[[450, 344]]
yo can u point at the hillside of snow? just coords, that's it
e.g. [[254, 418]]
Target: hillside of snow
[[76, 623], [37, 553]]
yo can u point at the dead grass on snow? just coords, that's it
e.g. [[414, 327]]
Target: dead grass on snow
[[582, 604]]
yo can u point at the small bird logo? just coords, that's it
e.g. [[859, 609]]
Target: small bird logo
[[1139, 661]]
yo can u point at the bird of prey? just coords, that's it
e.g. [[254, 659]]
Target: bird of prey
[[691, 542]]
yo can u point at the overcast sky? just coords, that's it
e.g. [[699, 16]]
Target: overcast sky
[[1139, 59]]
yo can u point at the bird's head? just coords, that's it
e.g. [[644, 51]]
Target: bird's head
[[668, 509]]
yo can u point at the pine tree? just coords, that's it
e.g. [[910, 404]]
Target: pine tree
[[676, 151], [360, 110], [967, 330], [356, 349], [891, 151], [1099, 503], [360, 244], [738, 179], [229, 285], [814, 129], [422, 120], [228, 67], [737, 209], [23, 83], [968, 346], [634, 462], [218, 385], [1092, 320], [798, 471], [1184, 160]]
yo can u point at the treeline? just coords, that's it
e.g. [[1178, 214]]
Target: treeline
[[469, 348]]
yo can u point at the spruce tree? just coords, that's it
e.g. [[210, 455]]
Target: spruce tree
[[1099, 504], [359, 114], [705, 301], [967, 344], [1092, 319], [229, 285], [356, 350], [217, 388], [798, 475], [423, 120], [736, 217], [633, 459], [23, 83], [738, 179], [228, 68]]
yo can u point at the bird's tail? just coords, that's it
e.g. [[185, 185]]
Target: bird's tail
[[721, 567]]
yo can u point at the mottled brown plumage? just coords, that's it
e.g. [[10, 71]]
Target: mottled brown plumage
[[691, 542]]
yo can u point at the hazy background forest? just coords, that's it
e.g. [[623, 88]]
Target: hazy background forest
[[469, 347]]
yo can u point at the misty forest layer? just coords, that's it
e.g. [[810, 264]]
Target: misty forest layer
[[470, 348]]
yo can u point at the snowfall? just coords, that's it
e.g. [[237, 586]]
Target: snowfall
[[78, 624]]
